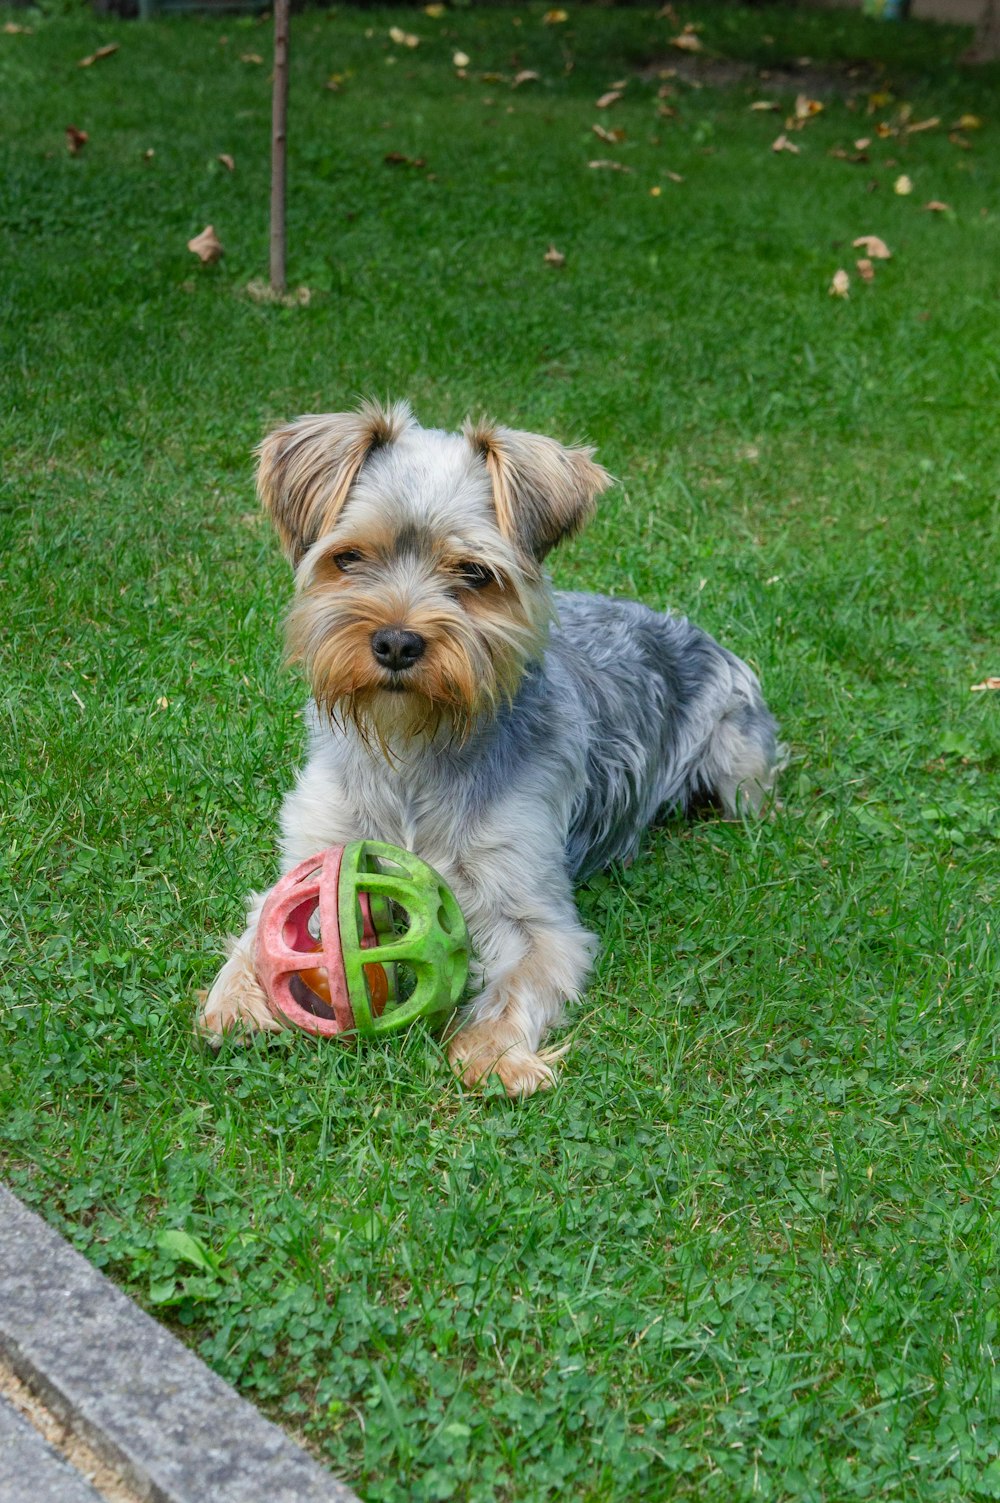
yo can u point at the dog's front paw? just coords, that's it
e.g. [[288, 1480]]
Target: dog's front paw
[[236, 1001], [483, 1049]]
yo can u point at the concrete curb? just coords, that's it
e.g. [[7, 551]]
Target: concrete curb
[[143, 1403], [31, 1471]]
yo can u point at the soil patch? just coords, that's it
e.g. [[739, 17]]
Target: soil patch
[[818, 80]]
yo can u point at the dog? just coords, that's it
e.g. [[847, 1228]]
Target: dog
[[515, 737]]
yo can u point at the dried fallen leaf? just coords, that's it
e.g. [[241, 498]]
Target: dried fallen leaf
[[609, 166], [434, 11], [461, 59], [251, 57], [847, 156], [919, 125], [959, 141], [866, 271], [987, 684], [207, 246], [688, 40], [526, 75], [841, 284], [902, 185], [403, 38], [555, 17], [674, 177], [862, 143], [148, 154], [227, 161], [935, 206], [11, 29], [95, 57], [806, 108], [397, 159], [613, 137], [76, 140], [554, 257], [607, 100], [655, 192], [873, 247], [783, 144], [968, 122], [765, 104]]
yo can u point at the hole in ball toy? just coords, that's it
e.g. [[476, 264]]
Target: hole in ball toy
[[406, 981], [389, 920], [387, 865], [301, 928], [443, 918], [399, 918], [311, 990], [377, 983]]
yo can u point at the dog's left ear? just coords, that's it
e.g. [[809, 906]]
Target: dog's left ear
[[306, 469], [542, 491]]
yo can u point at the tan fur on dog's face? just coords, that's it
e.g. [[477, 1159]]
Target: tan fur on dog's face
[[391, 525]]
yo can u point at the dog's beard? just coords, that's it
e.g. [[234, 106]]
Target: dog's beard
[[472, 663]]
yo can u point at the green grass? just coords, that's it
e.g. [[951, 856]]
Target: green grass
[[749, 1247]]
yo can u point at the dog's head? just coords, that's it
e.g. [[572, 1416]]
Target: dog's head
[[419, 590]]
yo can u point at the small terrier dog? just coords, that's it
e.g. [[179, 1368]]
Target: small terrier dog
[[514, 737]]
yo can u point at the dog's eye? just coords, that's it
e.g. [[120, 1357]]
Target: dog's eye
[[476, 576], [345, 561]]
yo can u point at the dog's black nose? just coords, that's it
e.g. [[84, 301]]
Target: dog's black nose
[[397, 649]]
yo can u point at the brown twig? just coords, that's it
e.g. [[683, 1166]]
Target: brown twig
[[279, 139]]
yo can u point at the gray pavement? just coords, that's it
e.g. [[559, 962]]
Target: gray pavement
[[32, 1471], [105, 1374]]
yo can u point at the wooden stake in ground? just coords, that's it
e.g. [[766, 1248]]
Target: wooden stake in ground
[[279, 136]]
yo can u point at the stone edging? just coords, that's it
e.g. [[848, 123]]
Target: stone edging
[[133, 1393]]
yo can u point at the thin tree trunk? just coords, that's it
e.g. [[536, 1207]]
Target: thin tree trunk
[[279, 136]]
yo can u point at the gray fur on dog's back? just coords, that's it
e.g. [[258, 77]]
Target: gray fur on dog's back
[[622, 717], [652, 690]]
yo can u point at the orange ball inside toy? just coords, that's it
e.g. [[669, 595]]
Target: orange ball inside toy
[[318, 983]]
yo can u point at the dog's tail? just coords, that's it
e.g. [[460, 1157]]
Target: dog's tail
[[743, 758]]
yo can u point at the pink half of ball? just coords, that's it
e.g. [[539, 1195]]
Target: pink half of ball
[[286, 947]]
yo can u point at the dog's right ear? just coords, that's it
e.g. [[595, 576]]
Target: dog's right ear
[[542, 492], [306, 468]]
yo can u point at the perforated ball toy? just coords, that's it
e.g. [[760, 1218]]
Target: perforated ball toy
[[361, 939]]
